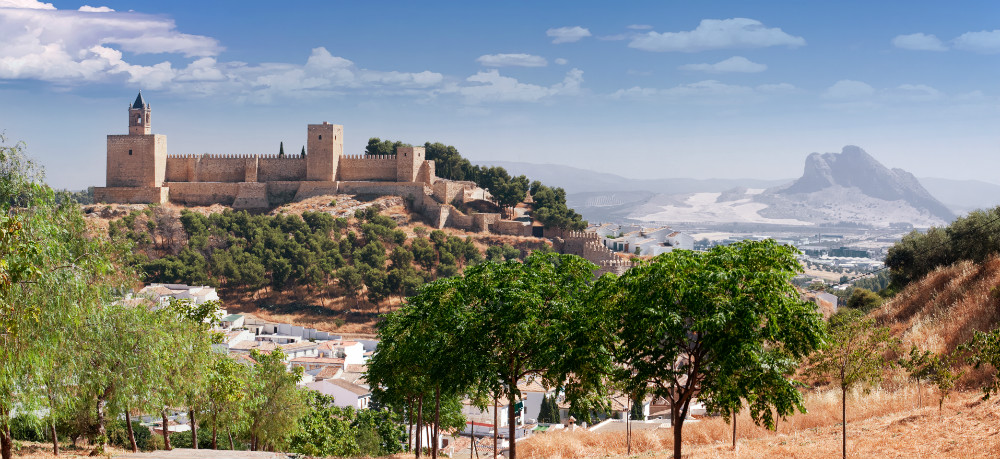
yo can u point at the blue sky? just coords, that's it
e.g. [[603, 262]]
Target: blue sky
[[641, 89]]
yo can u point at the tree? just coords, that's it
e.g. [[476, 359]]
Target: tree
[[864, 300], [856, 355], [718, 325], [225, 382], [984, 351], [275, 402], [281, 150], [533, 318], [302, 154]]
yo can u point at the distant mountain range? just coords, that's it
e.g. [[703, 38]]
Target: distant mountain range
[[850, 186]]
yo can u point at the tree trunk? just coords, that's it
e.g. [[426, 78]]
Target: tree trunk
[[734, 429], [128, 428], [6, 442], [409, 427], [215, 436], [437, 420], [102, 431], [843, 417], [511, 428], [55, 437], [496, 423], [166, 431], [420, 423], [677, 422], [232, 444], [628, 426], [194, 429]]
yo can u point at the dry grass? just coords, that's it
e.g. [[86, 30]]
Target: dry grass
[[880, 424], [31, 450]]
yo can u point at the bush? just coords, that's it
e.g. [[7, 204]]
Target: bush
[[183, 439], [27, 427], [118, 435]]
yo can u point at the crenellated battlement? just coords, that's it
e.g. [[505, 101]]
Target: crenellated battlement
[[370, 157], [582, 235], [234, 156]]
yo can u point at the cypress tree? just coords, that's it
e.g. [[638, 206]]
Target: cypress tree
[[281, 150], [303, 154]]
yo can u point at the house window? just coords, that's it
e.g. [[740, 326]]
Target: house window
[[130, 152]]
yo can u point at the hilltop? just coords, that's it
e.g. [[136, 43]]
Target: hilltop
[[344, 264]]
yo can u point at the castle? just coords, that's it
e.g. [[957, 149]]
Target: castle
[[139, 170]]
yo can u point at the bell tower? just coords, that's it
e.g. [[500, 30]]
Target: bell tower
[[138, 117]]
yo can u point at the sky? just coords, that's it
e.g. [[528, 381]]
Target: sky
[[723, 89]]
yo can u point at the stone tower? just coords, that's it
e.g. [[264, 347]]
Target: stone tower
[[324, 147], [408, 161], [139, 159]]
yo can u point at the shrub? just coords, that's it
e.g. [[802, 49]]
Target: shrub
[[27, 427], [118, 435]]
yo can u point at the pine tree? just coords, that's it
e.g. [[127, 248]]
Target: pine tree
[[545, 411], [303, 154], [281, 150]]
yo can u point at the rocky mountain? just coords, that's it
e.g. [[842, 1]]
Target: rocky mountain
[[848, 187], [853, 168]]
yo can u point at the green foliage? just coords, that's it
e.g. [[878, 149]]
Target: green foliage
[[984, 352], [118, 436], [864, 300], [281, 150], [377, 146], [328, 430], [28, 427], [729, 326], [551, 209], [275, 403], [974, 237]]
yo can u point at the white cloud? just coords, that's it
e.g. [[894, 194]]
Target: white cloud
[[919, 42], [717, 34], [512, 60], [561, 61], [490, 86], [914, 93], [849, 89], [733, 64], [95, 9], [986, 41], [567, 34], [707, 91], [639, 27], [30, 4]]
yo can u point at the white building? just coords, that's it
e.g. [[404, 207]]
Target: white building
[[344, 393], [649, 241]]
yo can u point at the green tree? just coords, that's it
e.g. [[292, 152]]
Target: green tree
[[281, 150], [275, 403], [856, 355], [225, 396], [727, 324], [535, 318], [984, 351], [864, 300], [302, 154]]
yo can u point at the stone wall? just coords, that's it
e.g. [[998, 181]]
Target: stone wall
[[363, 168], [275, 169], [251, 196], [131, 195], [203, 193], [445, 191], [511, 228]]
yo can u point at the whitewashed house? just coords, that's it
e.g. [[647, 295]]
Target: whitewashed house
[[344, 393]]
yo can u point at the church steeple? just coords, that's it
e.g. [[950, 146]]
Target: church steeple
[[138, 117], [139, 103]]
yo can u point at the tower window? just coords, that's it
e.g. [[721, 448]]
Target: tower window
[[130, 152], [321, 137]]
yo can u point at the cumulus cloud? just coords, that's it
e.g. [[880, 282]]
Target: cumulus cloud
[[490, 86], [29, 4], [717, 34], [986, 41], [512, 60], [738, 64], [567, 34], [919, 42], [849, 89], [95, 9]]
